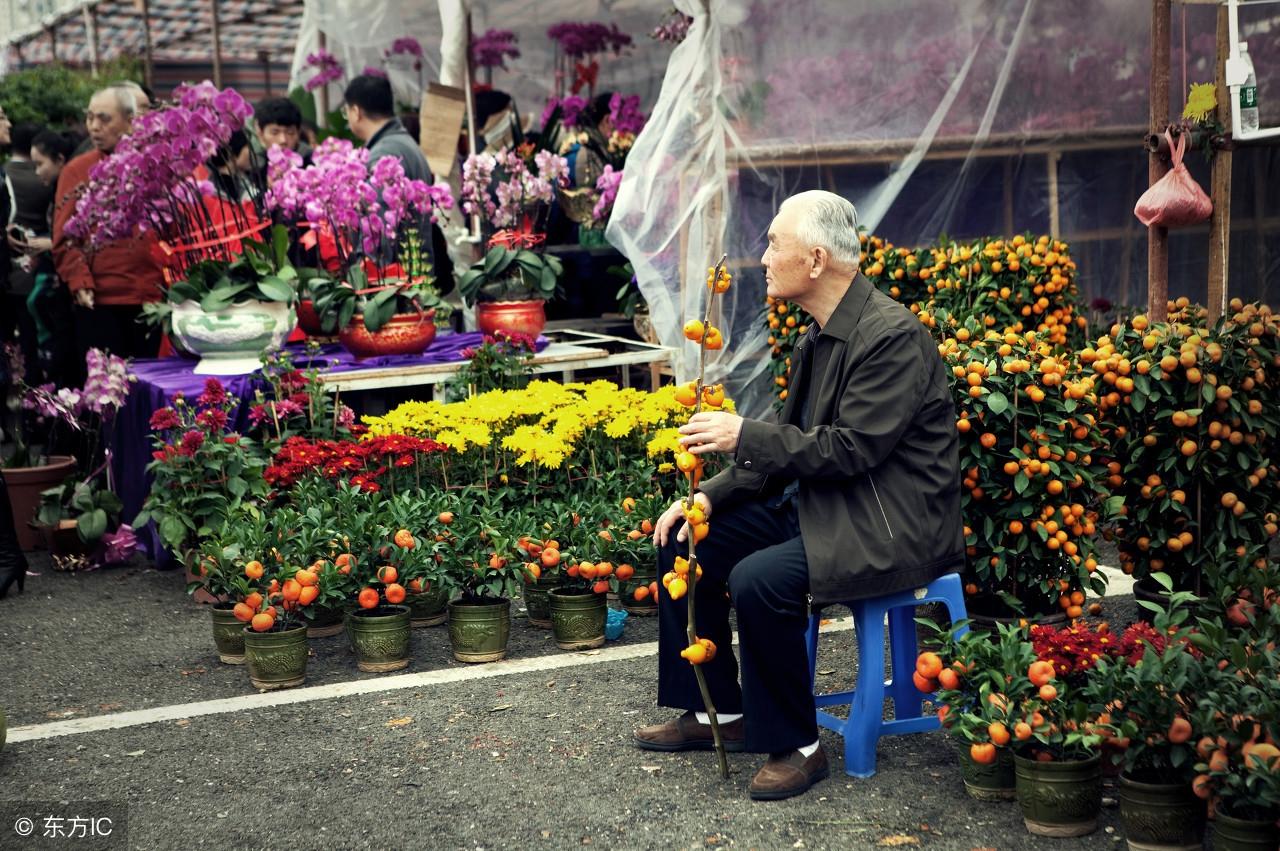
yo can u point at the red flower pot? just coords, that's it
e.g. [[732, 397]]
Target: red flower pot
[[308, 319], [514, 317], [406, 334]]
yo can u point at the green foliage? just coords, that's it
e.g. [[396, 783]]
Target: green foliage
[[94, 508], [506, 274], [56, 95], [261, 272]]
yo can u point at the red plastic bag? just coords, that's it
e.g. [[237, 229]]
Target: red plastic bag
[[1175, 200]]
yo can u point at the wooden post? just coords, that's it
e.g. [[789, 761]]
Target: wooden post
[[1220, 183], [322, 120], [216, 29], [1055, 217], [53, 44], [148, 65], [91, 36], [1158, 237]]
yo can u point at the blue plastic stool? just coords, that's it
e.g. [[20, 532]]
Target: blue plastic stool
[[865, 724]]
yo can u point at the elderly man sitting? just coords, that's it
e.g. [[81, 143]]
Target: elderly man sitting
[[853, 491]]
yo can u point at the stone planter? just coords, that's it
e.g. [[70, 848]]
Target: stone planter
[[538, 604], [994, 782], [1237, 834], [380, 638], [1059, 799], [405, 334], [1161, 816], [25, 485], [230, 341], [479, 630], [429, 608], [276, 660], [228, 634], [527, 316], [578, 619]]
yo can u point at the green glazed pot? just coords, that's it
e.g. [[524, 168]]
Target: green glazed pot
[[1236, 834], [380, 638], [479, 631], [578, 619], [648, 607], [994, 782], [1161, 816], [428, 608], [228, 633], [1059, 799], [538, 603], [276, 659], [325, 622]]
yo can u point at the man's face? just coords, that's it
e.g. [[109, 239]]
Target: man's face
[[106, 122], [279, 136], [787, 262], [5, 127]]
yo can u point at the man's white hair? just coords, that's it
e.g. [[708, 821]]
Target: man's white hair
[[125, 96], [828, 221]]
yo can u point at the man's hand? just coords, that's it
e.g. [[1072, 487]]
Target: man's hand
[[84, 298], [712, 431], [674, 515]]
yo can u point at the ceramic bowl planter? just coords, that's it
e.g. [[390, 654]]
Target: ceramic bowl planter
[[993, 782], [380, 638], [228, 634], [479, 629], [538, 603], [276, 660], [406, 334], [309, 320], [428, 608], [1237, 834], [1059, 799], [230, 341], [527, 316], [578, 619], [1161, 816], [325, 622]]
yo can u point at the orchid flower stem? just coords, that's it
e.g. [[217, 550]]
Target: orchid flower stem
[[691, 629]]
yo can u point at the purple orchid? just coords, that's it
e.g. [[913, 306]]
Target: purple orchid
[[493, 48]]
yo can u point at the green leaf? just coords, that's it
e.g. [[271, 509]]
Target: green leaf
[[275, 289], [997, 402], [172, 531], [1021, 482], [92, 525], [1163, 580]]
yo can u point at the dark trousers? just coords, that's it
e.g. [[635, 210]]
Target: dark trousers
[[753, 552], [115, 328]]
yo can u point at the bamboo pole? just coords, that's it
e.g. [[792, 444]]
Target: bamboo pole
[[216, 30], [1220, 183], [148, 63], [1158, 119]]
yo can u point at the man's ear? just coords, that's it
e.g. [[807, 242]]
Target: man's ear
[[818, 261]]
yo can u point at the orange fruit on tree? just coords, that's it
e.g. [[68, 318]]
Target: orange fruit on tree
[[646, 526], [532, 571], [496, 561], [308, 595], [700, 532], [628, 504], [550, 557], [1022, 731], [983, 753], [641, 592], [713, 396], [254, 601], [291, 590], [653, 590], [714, 340], [695, 654], [1040, 673], [368, 598], [603, 569], [949, 679], [686, 462], [586, 570], [388, 574], [601, 586], [262, 622], [929, 664], [1202, 786], [306, 578], [404, 539], [624, 572], [924, 684], [694, 330], [345, 562], [1179, 730], [243, 611], [253, 569], [999, 733], [687, 394], [445, 517], [678, 588], [1048, 692], [395, 593]]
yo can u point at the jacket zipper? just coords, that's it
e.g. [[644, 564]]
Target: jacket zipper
[[887, 527]]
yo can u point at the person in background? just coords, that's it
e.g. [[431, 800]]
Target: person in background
[[49, 303], [111, 283], [369, 108], [279, 125], [29, 200], [144, 101], [588, 157]]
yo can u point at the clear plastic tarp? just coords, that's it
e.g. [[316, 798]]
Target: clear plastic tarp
[[957, 117]]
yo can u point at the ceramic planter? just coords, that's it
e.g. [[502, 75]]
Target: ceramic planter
[[993, 782], [228, 634], [538, 603], [1059, 799], [647, 607], [527, 316], [406, 334], [276, 660], [309, 320], [578, 619], [1237, 834], [380, 638], [429, 608], [25, 485], [1161, 816], [479, 630], [325, 622], [230, 341]]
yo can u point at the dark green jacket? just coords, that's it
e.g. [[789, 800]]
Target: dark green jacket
[[879, 467]]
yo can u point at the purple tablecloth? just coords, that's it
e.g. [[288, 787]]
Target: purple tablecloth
[[160, 380]]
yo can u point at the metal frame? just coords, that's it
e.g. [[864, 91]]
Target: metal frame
[[568, 351]]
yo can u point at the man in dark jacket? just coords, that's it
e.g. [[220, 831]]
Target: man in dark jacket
[[853, 491]]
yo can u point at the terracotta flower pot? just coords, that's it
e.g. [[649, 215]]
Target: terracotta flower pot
[[406, 334], [528, 316], [308, 319], [25, 485]]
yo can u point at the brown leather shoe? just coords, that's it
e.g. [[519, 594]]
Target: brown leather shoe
[[788, 775], [686, 734]]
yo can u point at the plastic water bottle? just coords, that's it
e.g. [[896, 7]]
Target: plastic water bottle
[[1248, 95]]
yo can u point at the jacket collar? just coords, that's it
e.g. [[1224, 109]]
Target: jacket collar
[[847, 313], [391, 127]]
